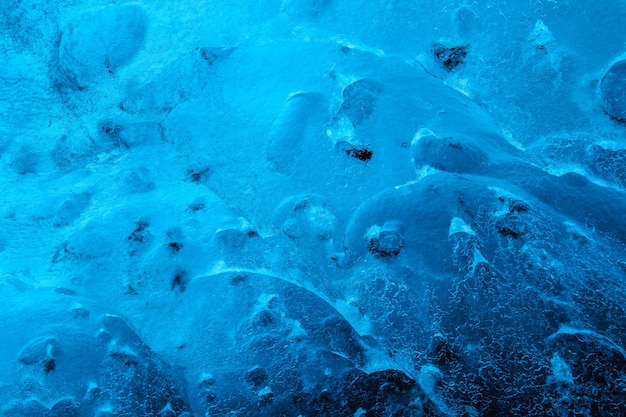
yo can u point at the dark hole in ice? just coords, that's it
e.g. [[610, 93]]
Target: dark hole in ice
[[198, 175], [256, 377], [518, 207], [113, 132], [208, 56], [214, 54], [362, 154], [374, 246], [238, 279], [197, 206], [505, 231], [79, 313], [454, 145], [50, 365], [130, 290], [264, 318], [387, 244], [175, 247], [64, 291], [449, 57], [179, 282], [109, 129], [140, 232]]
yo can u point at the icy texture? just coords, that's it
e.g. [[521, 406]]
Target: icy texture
[[312, 208]]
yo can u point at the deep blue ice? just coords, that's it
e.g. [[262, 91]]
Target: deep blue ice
[[309, 208]]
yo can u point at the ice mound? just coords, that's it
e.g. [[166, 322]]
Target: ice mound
[[98, 42], [68, 358], [613, 89]]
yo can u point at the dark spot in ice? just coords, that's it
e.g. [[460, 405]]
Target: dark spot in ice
[[107, 65], [582, 239], [50, 365], [386, 244], [128, 359], [209, 56], [210, 396], [214, 54], [362, 154], [174, 247], [63, 252], [64, 291], [79, 313], [206, 382], [505, 231], [264, 318], [375, 248], [302, 205], [140, 233], [113, 133], [179, 282], [256, 377], [449, 57], [130, 290], [454, 145], [252, 233], [238, 279], [198, 175], [197, 206], [516, 206], [109, 129]]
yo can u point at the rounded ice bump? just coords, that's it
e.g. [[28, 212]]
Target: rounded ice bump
[[613, 91], [99, 42], [451, 153]]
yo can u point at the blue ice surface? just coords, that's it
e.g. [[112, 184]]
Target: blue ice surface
[[312, 208]]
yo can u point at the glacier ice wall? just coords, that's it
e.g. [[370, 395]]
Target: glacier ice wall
[[312, 208]]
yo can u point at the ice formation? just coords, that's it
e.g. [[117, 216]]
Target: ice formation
[[312, 208]]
